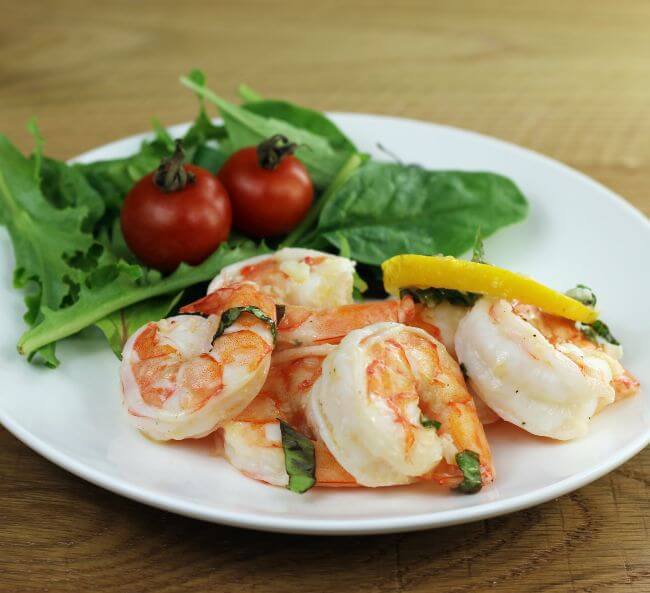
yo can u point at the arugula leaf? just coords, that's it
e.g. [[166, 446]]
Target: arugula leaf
[[45, 238], [469, 463], [229, 316], [39, 143], [299, 459], [115, 284], [385, 209], [246, 128], [112, 179], [162, 135], [65, 185], [120, 325], [203, 129]]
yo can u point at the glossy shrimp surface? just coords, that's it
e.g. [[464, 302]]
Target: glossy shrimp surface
[[252, 441], [294, 276], [537, 370], [301, 326], [373, 393], [180, 381]]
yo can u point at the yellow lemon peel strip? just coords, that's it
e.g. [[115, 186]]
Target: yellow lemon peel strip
[[423, 271]]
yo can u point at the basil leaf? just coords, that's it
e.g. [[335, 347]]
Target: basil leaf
[[229, 316], [427, 423], [583, 294], [598, 329], [433, 296], [469, 463], [299, 459]]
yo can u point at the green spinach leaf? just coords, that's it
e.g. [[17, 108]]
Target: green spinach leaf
[[303, 118], [386, 209]]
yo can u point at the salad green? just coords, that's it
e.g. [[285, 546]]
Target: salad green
[[76, 271]]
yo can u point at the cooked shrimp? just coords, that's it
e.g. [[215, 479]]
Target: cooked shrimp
[[368, 403], [538, 371], [252, 441], [301, 326], [295, 277], [180, 381], [443, 317], [441, 321]]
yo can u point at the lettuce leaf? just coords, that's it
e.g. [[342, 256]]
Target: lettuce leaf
[[120, 325], [115, 284]]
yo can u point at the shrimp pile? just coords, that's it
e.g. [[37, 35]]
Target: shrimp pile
[[387, 392]]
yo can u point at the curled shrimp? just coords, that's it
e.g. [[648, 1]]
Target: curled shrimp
[[294, 276], [181, 378], [369, 403], [252, 441], [538, 371]]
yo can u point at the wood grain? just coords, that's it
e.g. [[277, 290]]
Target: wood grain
[[568, 78]]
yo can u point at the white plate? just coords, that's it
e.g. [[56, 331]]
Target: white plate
[[578, 231]]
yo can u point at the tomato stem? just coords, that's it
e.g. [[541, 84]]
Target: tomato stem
[[271, 151], [171, 175]]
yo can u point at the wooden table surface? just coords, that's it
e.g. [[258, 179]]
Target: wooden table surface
[[565, 77]]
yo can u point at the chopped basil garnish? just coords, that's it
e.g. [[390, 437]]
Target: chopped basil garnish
[[280, 310], [598, 329], [229, 316], [583, 294], [433, 296], [469, 463], [299, 459], [427, 423]]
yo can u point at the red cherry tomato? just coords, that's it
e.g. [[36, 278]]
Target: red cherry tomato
[[269, 189], [178, 213]]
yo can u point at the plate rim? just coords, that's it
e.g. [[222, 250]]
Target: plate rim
[[346, 526]]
